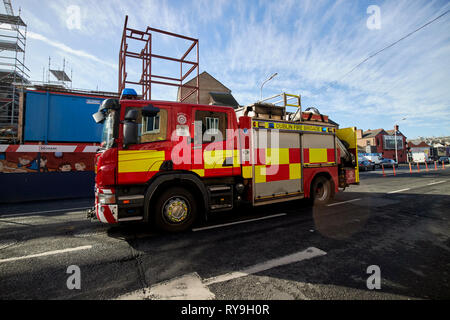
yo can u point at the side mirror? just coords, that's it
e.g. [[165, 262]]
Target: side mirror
[[99, 117], [130, 128], [150, 111], [110, 104], [131, 115], [130, 133]]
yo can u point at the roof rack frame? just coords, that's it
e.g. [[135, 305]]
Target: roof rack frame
[[147, 78]]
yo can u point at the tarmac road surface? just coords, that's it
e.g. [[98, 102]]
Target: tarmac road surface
[[289, 251]]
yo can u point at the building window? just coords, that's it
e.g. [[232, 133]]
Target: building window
[[150, 124], [368, 142], [212, 125]]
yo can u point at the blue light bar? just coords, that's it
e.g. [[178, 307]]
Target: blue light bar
[[128, 92]]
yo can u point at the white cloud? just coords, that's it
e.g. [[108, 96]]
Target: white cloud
[[80, 53]]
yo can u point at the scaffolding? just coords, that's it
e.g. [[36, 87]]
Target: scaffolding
[[13, 72], [61, 78], [147, 57]]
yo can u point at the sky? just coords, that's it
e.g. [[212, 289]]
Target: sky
[[311, 44]]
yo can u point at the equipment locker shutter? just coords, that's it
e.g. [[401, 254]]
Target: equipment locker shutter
[[277, 167]]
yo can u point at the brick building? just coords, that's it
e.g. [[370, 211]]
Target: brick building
[[211, 91], [383, 142]]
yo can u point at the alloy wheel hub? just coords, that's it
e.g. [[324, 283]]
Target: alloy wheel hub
[[176, 210]]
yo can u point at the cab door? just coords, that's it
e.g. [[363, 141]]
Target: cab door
[[215, 150]]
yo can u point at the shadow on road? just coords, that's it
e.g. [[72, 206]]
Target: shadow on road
[[406, 234]]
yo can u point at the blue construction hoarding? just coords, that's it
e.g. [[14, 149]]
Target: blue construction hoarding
[[61, 117]]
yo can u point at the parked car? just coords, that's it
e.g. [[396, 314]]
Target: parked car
[[388, 163], [444, 159], [366, 165], [374, 159]]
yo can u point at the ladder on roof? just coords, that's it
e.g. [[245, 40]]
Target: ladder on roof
[[282, 100], [285, 97]]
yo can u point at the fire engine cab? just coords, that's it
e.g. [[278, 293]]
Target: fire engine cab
[[170, 163]]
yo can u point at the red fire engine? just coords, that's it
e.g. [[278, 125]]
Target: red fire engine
[[169, 163]]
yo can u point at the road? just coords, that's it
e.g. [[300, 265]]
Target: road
[[398, 223]]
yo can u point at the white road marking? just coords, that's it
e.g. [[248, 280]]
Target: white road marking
[[48, 253], [186, 287], [238, 222], [401, 190], [39, 212], [191, 286], [433, 183], [296, 257], [338, 203]]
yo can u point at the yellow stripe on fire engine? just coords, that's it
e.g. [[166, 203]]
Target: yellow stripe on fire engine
[[140, 160], [214, 159]]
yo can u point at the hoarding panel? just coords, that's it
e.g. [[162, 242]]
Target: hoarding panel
[[56, 117], [389, 142]]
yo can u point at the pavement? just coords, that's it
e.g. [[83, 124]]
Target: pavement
[[398, 225]]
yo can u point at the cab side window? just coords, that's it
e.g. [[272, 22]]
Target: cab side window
[[152, 129], [151, 124], [210, 126]]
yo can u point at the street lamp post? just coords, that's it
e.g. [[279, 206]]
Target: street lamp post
[[267, 80], [395, 139]]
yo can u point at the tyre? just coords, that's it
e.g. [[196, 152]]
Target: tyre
[[321, 192], [175, 210]]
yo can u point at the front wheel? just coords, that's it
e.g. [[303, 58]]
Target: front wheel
[[321, 192], [175, 210]]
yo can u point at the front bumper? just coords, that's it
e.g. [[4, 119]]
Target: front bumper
[[106, 213]]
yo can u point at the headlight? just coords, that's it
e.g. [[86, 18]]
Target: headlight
[[106, 198]]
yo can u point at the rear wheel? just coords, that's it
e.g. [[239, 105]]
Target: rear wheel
[[321, 192], [175, 210]]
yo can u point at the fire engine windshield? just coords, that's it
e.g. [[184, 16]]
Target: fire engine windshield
[[108, 131]]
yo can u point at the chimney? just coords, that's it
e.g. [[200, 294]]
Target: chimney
[[359, 134]]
